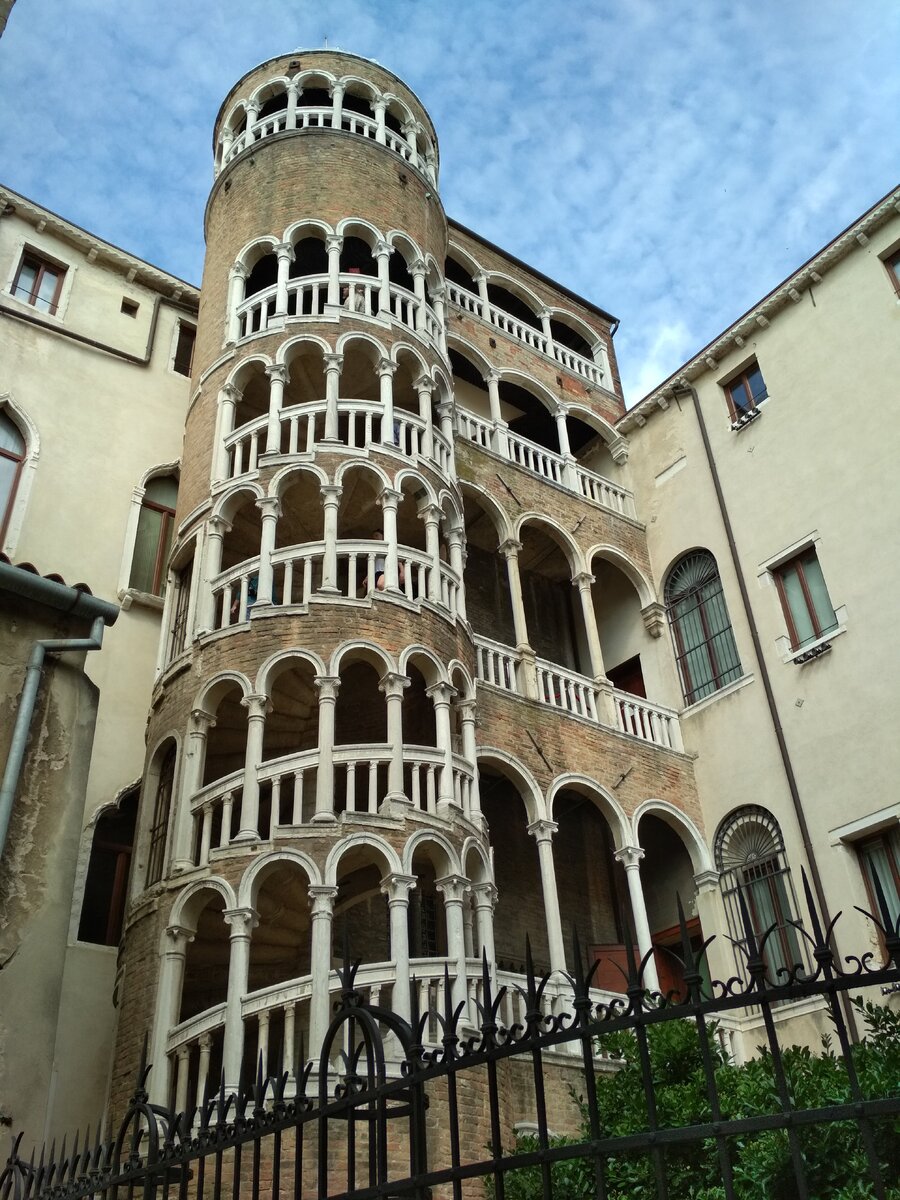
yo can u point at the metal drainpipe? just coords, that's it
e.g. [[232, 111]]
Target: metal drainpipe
[[770, 695], [66, 599]]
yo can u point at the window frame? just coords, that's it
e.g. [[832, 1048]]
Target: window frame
[[179, 326], [892, 266], [741, 416], [719, 678], [43, 261], [20, 461], [164, 783], [167, 525], [11, 519], [126, 593], [820, 632], [888, 839]]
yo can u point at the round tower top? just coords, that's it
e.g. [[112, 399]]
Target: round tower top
[[329, 66]]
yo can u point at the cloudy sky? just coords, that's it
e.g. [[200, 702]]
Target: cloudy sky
[[671, 160]]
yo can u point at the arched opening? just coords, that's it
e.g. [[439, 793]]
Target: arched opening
[[555, 629], [291, 729], [501, 297], [624, 641], [667, 875], [356, 100], [206, 961], [361, 908], [590, 884], [263, 274], [419, 726], [410, 526], [310, 258], [456, 273], [520, 904], [253, 384], [241, 541], [296, 575], [159, 789], [488, 599], [406, 398], [360, 720], [528, 416], [426, 915], [315, 93], [469, 386], [359, 418], [226, 741], [280, 951], [564, 335], [395, 117], [399, 272], [109, 867], [276, 102], [357, 257]]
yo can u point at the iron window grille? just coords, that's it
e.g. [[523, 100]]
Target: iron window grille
[[705, 648], [159, 827], [178, 635], [749, 852]]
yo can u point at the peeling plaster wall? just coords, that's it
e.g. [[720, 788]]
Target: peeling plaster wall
[[38, 866]]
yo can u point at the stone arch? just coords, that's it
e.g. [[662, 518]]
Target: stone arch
[[212, 692], [552, 529], [230, 501], [452, 864], [609, 433], [282, 480], [12, 513], [465, 258], [437, 672], [610, 808], [525, 301], [455, 669], [316, 74], [250, 880], [264, 91], [236, 115], [286, 351], [473, 848], [271, 664], [565, 317], [238, 374], [519, 775], [397, 105], [358, 227], [363, 649], [188, 906], [694, 842], [311, 223], [351, 338], [358, 82], [251, 252], [407, 475], [613, 555], [467, 350], [379, 846], [486, 502], [350, 466]]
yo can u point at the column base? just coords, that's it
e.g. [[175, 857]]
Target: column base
[[395, 804], [323, 818], [328, 590], [246, 835], [448, 809]]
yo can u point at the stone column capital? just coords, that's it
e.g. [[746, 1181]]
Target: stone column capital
[[424, 383], [544, 315], [706, 881], [269, 506], [492, 377], [232, 392], [453, 888], [285, 250], [239, 271], [430, 513], [257, 705], [293, 88], [561, 410], [202, 722], [177, 938], [338, 86], [510, 548], [418, 267], [467, 708], [277, 371], [397, 888], [386, 367], [484, 895], [241, 920], [333, 362], [583, 581], [389, 498], [217, 526], [383, 250], [440, 693], [630, 857], [543, 830], [334, 241], [322, 898], [439, 293], [331, 494], [328, 685], [393, 684]]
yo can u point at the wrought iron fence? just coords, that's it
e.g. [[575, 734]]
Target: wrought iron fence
[[383, 1114]]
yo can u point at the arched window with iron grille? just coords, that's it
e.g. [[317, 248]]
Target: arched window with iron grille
[[701, 628], [750, 855], [12, 456]]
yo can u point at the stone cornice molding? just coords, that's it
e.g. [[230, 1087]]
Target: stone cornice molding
[[761, 315]]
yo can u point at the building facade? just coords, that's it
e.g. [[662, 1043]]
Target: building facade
[[452, 647]]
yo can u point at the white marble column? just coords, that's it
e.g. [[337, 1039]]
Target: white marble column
[[383, 254], [528, 682], [270, 507], [386, 372], [237, 281], [484, 897], [229, 398], [285, 254], [424, 386], [226, 140], [256, 706], [278, 374], [334, 245], [582, 581], [337, 103], [418, 274], [393, 686], [216, 528], [389, 502], [445, 416], [331, 498], [499, 442], [467, 716], [252, 116], [630, 858], [569, 476], [542, 832], [409, 132], [430, 514], [293, 95], [333, 365], [457, 553], [242, 922], [454, 888], [328, 686], [438, 299], [166, 1010], [380, 128], [199, 726], [441, 694], [397, 888], [322, 900]]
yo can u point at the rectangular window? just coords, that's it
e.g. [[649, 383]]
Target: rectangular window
[[804, 599], [184, 349], [879, 858], [178, 635], [39, 282], [745, 392]]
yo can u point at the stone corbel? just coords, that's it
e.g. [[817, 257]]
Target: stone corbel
[[654, 617]]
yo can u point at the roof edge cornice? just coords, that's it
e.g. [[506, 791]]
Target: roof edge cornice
[[787, 292]]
